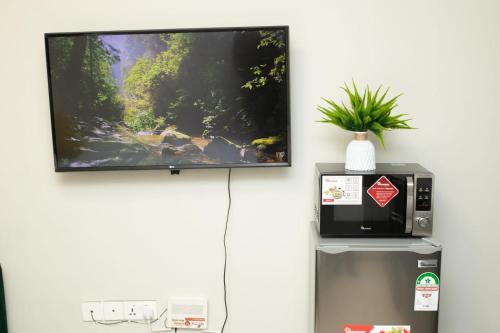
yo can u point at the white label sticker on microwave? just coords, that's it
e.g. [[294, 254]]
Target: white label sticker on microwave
[[427, 292], [342, 190]]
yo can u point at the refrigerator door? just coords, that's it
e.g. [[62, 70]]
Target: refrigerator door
[[373, 282]]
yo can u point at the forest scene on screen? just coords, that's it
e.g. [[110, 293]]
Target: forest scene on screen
[[193, 98]]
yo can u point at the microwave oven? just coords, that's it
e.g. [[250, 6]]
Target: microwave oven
[[394, 200]]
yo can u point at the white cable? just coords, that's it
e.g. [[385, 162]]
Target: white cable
[[148, 314]]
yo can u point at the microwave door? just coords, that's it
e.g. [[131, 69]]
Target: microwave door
[[376, 214]]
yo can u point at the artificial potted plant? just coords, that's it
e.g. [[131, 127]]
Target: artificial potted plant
[[367, 112]]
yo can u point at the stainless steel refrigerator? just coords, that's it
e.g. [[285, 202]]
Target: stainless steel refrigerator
[[377, 285]]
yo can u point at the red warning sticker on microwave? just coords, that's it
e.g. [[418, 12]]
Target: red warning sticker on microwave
[[383, 191], [376, 329]]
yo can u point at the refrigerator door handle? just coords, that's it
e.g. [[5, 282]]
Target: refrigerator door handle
[[352, 248], [409, 204]]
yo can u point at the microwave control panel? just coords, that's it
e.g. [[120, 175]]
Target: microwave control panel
[[424, 194]]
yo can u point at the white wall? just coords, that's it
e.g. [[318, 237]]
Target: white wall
[[65, 238]]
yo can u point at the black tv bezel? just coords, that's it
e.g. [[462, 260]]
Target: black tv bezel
[[288, 163]]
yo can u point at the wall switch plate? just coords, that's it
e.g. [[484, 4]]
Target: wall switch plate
[[92, 311], [119, 310]]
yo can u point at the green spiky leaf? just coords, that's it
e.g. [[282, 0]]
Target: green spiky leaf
[[366, 112]]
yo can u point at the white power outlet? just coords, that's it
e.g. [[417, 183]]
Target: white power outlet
[[134, 310]]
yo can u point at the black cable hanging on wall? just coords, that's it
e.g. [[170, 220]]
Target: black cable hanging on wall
[[225, 248]]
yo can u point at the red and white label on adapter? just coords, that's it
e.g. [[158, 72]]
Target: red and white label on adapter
[[194, 322], [383, 191], [189, 322], [376, 329]]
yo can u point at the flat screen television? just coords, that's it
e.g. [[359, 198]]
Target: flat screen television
[[173, 99]]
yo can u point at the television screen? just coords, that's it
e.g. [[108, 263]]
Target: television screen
[[169, 98]]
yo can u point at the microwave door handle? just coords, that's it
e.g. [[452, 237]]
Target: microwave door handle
[[409, 204]]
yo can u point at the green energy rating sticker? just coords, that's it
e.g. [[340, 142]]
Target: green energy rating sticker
[[427, 292]]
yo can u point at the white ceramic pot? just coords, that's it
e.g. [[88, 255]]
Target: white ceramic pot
[[360, 153]]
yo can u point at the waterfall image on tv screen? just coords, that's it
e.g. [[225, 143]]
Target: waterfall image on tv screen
[[169, 99]]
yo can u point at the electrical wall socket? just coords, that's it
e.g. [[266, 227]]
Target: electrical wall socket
[[119, 310], [135, 310]]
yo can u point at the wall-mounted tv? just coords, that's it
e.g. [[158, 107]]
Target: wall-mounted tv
[[174, 99]]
